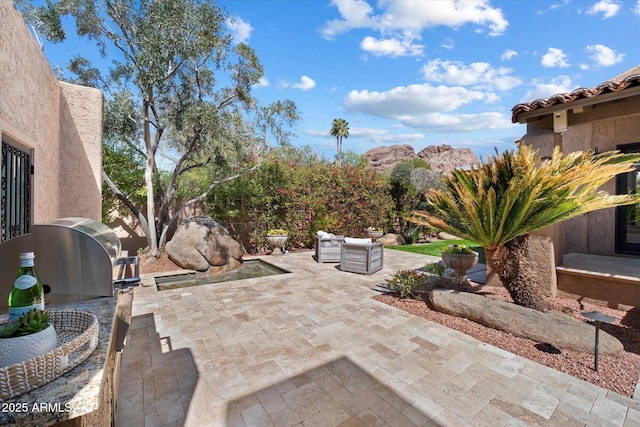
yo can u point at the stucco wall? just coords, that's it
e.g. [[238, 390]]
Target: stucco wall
[[594, 232], [81, 150], [60, 123]]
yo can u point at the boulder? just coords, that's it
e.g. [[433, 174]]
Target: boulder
[[391, 239], [385, 158], [446, 236], [442, 158], [555, 328], [202, 244]]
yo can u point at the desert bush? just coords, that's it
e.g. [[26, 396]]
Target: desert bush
[[436, 273], [405, 283]]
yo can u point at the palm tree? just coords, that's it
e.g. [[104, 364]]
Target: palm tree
[[501, 201], [340, 129]]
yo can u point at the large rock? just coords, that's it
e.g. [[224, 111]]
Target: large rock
[[442, 158], [557, 329], [201, 244], [391, 239], [385, 158]]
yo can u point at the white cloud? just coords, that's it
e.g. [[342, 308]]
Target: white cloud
[[355, 14], [371, 134], [306, 83], [262, 83], [400, 22], [636, 10], [391, 47], [552, 7], [608, 8], [383, 135], [559, 5], [554, 58], [479, 75], [542, 89], [404, 101], [508, 55], [603, 55], [240, 30], [424, 107], [417, 15], [458, 122], [450, 44]]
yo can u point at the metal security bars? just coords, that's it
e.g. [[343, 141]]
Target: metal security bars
[[16, 191]]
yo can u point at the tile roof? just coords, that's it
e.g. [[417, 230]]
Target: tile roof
[[629, 78]]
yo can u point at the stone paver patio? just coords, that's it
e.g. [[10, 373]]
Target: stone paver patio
[[312, 348]]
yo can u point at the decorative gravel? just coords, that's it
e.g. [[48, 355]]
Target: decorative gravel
[[616, 373]]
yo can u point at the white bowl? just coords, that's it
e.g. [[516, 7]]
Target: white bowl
[[19, 349]]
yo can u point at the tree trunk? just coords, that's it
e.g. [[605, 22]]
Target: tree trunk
[[512, 265], [133, 208], [148, 179]]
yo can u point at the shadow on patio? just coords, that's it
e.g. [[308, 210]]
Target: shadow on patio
[[334, 394], [157, 382]]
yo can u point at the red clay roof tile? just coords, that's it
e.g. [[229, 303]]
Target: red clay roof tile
[[619, 83]]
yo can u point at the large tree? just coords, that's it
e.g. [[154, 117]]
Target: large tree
[[340, 130], [178, 87], [501, 201]]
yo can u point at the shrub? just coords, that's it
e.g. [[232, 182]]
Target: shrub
[[405, 283], [435, 268], [435, 272], [302, 197]]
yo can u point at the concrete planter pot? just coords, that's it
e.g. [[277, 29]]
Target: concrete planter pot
[[460, 263], [19, 349], [277, 241], [375, 235]]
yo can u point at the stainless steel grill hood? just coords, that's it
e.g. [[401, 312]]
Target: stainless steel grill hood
[[74, 256]]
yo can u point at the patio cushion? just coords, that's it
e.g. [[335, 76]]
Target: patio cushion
[[356, 241], [324, 234]]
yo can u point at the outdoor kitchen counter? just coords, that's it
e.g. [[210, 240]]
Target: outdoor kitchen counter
[[84, 395]]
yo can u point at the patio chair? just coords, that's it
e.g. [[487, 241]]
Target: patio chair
[[361, 256], [328, 247]]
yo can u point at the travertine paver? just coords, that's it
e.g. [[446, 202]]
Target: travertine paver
[[312, 348]]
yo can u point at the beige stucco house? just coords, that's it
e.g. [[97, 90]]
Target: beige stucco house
[[606, 242], [51, 136]]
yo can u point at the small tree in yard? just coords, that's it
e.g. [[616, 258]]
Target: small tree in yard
[[500, 202], [178, 86]]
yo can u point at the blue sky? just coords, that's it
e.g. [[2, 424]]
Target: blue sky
[[425, 72]]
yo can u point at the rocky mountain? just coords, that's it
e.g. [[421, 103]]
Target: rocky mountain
[[442, 158]]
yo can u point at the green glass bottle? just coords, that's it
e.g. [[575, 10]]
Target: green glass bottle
[[27, 292]]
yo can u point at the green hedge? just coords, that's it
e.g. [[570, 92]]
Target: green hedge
[[302, 199]]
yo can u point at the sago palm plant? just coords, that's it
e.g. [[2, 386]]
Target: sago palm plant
[[501, 201]]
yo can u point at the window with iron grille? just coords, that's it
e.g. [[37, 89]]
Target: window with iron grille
[[16, 189]]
